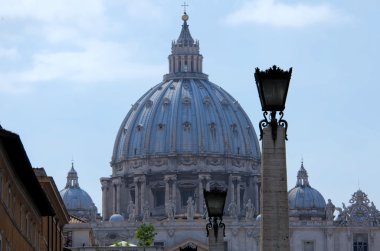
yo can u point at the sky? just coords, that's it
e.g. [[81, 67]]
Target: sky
[[71, 69]]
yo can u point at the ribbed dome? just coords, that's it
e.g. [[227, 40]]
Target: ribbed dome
[[186, 116], [304, 200], [77, 201], [76, 198]]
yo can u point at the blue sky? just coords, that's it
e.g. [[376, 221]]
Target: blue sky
[[70, 70]]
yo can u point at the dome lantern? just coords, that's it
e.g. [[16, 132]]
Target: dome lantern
[[185, 61]]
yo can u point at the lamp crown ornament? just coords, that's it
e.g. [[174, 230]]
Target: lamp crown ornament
[[272, 86]]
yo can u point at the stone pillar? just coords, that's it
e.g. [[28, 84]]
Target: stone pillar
[[137, 193], [170, 188], [196, 64], [174, 189], [143, 188], [256, 194], [216, 244], [117, 184], [238, 195], [176, 64], [203, 184], [105, 188], [167, 190], [274, 198], [232, 188]]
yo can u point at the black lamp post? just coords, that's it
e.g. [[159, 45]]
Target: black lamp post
[[272, 86], [215, 200]]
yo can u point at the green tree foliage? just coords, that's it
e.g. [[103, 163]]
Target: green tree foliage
[[145, 234]]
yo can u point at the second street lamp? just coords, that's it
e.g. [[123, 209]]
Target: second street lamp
[[215, 200]]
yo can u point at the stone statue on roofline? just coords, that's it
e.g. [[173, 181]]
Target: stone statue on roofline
[[249, 210], [170, 210], [330, 209], [131, 210], [190, 209]]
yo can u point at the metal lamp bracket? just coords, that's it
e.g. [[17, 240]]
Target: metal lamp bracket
[[273, 123]]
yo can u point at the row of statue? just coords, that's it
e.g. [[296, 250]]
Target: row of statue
[[170, 210]]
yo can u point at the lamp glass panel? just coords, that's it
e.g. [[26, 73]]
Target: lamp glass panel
[[274, 91]]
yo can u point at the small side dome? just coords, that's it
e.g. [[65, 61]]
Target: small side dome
[[76, 200], [116, 218], [258, 218], [305, 201]]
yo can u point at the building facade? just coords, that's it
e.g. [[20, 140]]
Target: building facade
[[31, 212], [187, 134]]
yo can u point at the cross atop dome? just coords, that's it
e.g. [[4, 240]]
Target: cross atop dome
[[184, 5]]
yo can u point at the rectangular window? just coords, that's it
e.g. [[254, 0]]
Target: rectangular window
[[8, 246], [308, 246], [1, 187], [159, 197], [9, 197], [360, 242], [185, 194], [133, 196]]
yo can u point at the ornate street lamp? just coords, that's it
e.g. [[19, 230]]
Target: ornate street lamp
[[215, 200], [272, 86]]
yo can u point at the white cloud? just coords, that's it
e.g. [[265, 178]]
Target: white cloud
[[48, 10], [9, 54], [71, 41], [97, 62], [275, 13]]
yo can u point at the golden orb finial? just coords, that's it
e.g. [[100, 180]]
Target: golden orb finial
[[185, 17]]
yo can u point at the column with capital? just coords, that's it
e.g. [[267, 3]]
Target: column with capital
[[117, 184], [142, 190], [174, 189], [238, 180], [232, 185], [256, 194], [167, 189], [137, 193], [105, 188], [203, 184]]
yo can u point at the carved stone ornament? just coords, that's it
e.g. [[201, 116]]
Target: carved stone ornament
[[158, 162], [112, 236], [188, 161], [225, 102], [186, 101], [135, 164], [235, 231], [250, 233], [148, 103], [237, 163], [206, 101], [135, 106], [171, 232], [166, 102], [215, 161], [186, 126], [189, 245], [360, 212]]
